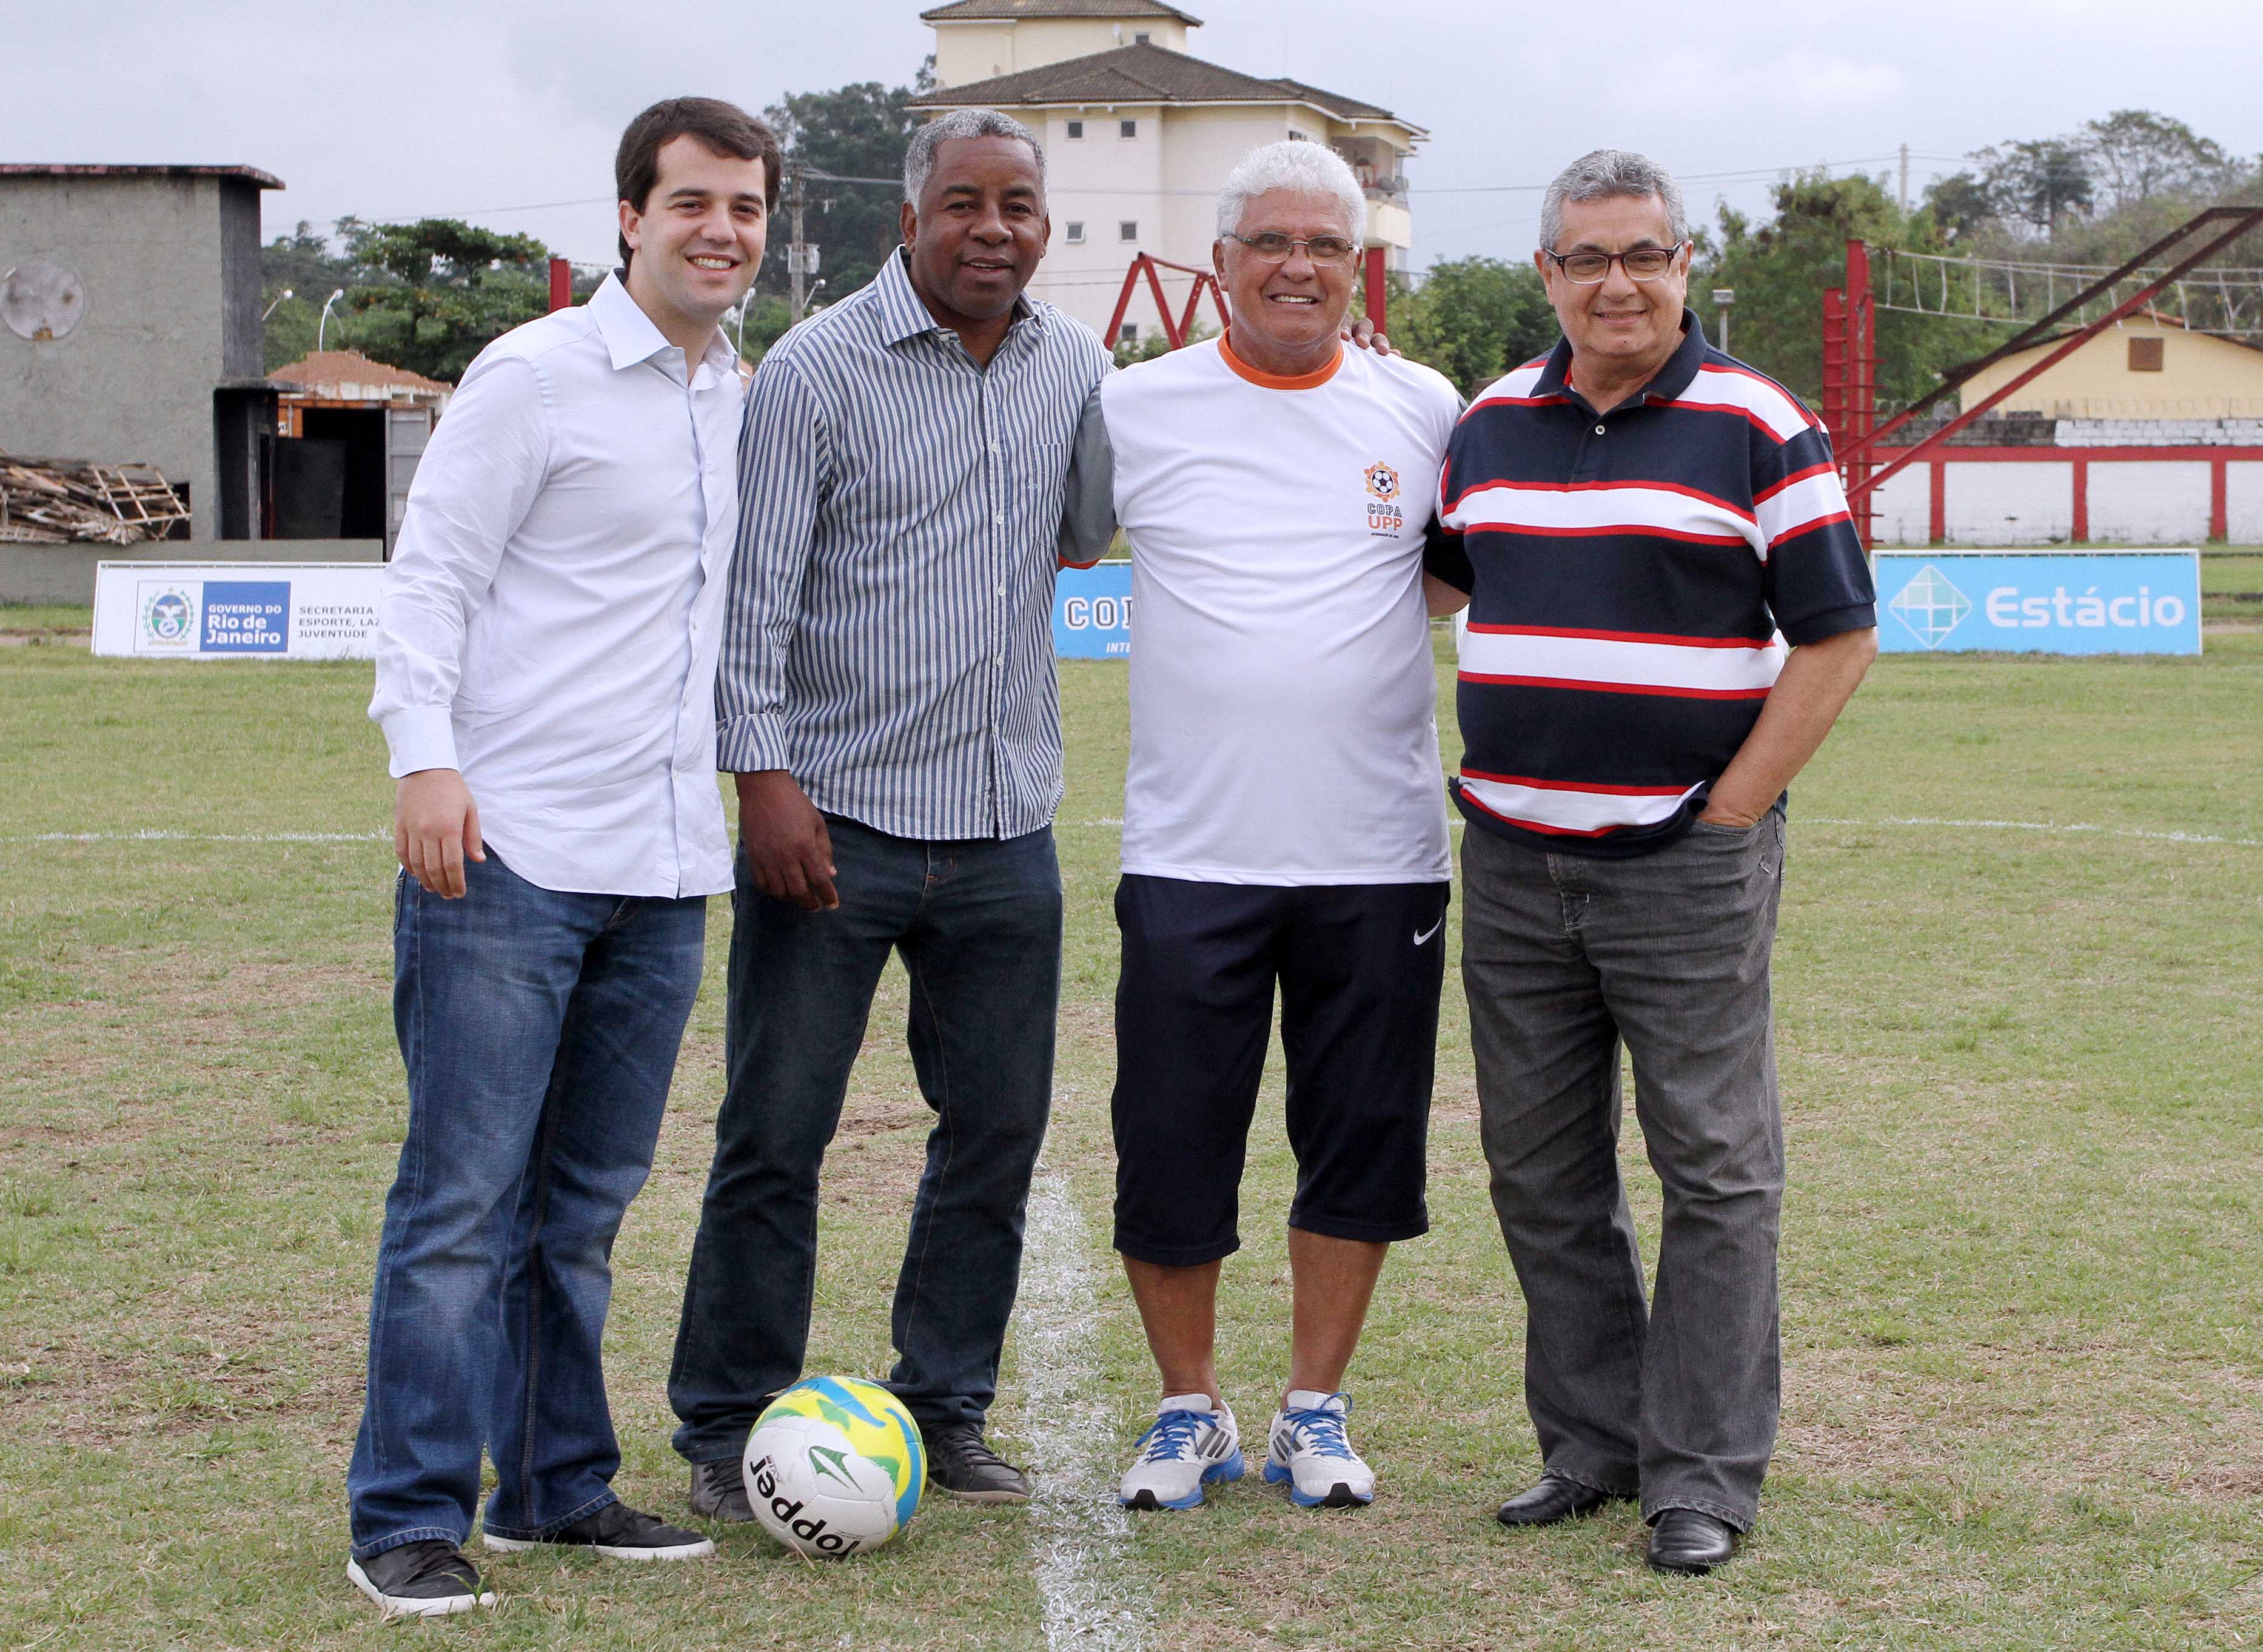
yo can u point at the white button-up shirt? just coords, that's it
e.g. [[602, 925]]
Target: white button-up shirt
[[551, 615]]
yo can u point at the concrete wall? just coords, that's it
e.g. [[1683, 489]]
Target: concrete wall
[[1997, 502], [2201, 378], [1100, 180], [65, 573], [134, 380], [2009, 504], [2242, 502], [2149, 504]]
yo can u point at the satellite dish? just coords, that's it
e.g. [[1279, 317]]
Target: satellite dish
[[42, 299]]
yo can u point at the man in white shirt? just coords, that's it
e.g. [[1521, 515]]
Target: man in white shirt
[[1285, 817], [545, 682]]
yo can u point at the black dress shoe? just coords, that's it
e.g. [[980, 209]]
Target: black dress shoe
[[962, 1463], [1555, 1498], [1686, 1540]]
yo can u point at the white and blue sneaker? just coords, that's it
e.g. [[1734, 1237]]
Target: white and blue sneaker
[[1307, 1448], [1191, 1445]]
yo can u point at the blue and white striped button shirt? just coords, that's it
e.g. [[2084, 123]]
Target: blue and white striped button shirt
[[888, 637]]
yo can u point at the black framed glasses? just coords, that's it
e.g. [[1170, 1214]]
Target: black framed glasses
[[1643, 264], [1275, 248]]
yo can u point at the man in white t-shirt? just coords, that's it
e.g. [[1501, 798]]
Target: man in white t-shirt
[[1284, 816]]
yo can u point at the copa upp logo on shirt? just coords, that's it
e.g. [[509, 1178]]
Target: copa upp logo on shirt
[[1383, 517]]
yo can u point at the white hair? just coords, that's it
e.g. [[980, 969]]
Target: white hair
[[1612, 175], [1293, 163], [919, 159]]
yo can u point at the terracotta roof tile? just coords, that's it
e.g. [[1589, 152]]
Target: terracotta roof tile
[[327, 370]]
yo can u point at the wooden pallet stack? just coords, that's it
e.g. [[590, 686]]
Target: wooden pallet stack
[[59, 501]]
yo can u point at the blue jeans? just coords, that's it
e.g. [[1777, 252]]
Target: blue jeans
[[540, 1031], [978, 926]]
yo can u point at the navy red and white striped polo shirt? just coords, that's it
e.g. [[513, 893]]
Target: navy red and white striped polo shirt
[[1635, 577]]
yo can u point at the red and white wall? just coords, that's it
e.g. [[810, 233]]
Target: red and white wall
[[2040, 495]]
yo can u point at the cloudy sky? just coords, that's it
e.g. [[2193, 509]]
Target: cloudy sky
[[505, 111]]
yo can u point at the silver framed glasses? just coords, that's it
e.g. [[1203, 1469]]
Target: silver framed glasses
[[1274, 248]]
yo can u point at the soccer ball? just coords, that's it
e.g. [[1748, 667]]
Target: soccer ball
[[834, 1466]]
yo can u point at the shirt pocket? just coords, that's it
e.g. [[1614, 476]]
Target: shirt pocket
[[1039, 474]]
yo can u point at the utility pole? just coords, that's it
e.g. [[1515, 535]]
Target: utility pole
[[1904, 189], [794, 254]]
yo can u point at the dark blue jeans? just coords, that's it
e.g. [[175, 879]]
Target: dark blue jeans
[[978, 924], [540, 1031]]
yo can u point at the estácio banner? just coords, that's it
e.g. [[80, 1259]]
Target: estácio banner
[[2039, 602], [224, 610]]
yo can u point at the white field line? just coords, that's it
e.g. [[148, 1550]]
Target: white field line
[[2074, 830], [1077, 1529]]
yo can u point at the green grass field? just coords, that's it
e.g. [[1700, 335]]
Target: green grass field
[[2023, 1258]]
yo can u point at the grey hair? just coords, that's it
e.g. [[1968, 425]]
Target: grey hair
[[919, 159], [1611, 175], [1293, 163]]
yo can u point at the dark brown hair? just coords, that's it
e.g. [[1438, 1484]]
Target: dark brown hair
[[725, 129]]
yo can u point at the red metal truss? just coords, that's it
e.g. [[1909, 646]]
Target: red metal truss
[[1850, 351], [1175, 330]]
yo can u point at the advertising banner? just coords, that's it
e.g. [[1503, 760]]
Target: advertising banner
[[2039, 602], [1092, 612], [221, 611]]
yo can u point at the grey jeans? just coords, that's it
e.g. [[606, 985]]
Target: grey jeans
[[1565, 959]]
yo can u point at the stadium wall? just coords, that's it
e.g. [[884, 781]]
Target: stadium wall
[[2058, 495]]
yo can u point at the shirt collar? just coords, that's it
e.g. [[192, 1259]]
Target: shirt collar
[[1667, 383], [904, 314], [630, 337]]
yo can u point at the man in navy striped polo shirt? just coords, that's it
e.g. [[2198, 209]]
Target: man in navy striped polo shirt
[[1669, 607]]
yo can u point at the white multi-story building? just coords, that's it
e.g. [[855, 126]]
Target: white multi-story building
[[1140, 137]]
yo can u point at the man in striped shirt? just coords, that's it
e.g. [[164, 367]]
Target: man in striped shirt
[[1669, 607], [887, 703]]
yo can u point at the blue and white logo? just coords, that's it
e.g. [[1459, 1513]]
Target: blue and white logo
[[2041, 602], [1930, 606]]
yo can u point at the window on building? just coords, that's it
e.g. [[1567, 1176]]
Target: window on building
[[2145, 355], [1075, 129], [1128, 334], [1295, 136], [1075, 231], [1127, 128], [1139, 39], [1128, 229]]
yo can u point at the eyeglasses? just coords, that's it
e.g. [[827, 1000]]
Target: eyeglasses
[[1643, 264], [1273, 247]]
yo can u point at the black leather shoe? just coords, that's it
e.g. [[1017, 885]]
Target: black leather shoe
[[1686, 1540], [1555, 1498], [960, 1461]]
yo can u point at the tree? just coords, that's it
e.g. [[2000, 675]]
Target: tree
[[1473, 319], [2138, 156], [455, 288], [859, 131], [2039, 181], [1961, 204]]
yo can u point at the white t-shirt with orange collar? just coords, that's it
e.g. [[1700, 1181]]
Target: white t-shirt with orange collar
[[1284, 700]]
